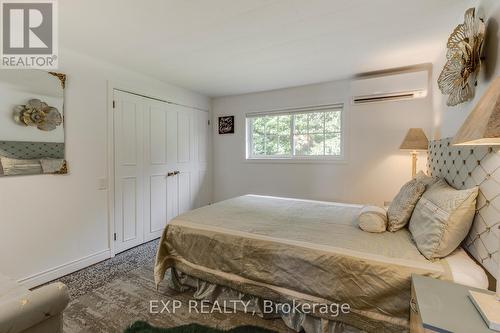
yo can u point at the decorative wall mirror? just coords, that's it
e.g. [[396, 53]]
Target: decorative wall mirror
[[32, 123]]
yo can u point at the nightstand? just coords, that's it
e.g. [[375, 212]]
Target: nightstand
[[442, 306]]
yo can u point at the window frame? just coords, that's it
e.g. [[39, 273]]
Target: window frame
[[296, 158]]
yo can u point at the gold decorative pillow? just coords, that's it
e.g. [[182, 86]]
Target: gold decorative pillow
[[372, 219], [425, 179], [442, 219], [402, 206]]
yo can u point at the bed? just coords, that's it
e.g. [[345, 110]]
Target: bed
[[284, 250]]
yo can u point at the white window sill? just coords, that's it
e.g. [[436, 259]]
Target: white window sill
[[312, 160]]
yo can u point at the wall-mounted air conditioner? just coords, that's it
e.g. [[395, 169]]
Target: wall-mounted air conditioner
[[393, 87]]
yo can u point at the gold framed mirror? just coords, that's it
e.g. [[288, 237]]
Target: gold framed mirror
[[32, 136]]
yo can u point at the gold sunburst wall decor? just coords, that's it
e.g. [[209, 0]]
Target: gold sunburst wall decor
[[458, 78]]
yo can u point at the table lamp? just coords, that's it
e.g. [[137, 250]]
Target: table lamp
[[415, 140], [482, 127]]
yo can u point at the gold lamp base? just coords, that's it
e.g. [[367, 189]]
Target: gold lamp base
[[414, 159]]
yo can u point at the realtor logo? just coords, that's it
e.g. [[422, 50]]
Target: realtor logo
[[29, 38]]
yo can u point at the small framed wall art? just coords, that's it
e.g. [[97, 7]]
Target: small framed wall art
[[226, 125]]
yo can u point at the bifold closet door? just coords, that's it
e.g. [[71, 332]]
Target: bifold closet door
[[129, 170], [160, 166], [202, 184], [192, 159], [170, 167], [170, 153], [161, 181]]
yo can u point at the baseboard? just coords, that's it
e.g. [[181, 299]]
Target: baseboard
[[64, 269]]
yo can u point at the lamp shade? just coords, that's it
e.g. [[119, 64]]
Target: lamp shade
[[415, 139], [482, 126]]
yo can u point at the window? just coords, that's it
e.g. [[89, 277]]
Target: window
[[298, 134]]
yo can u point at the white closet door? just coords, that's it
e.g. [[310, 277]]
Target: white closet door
[[184, 180], [202, 139], [129, 184], [185, 158], [160, 164], [202, 193], [184, 135]]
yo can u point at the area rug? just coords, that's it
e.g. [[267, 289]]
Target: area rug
[[116, 305], [93, 277], [143, 327]]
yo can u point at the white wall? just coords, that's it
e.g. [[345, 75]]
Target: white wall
[[375, 168], [373, 172], [447, 120], [56, 221]]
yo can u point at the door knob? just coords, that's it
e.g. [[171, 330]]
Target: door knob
[[176, 172], [170, 174]]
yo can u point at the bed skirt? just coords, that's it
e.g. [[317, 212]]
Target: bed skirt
[[206, 291]]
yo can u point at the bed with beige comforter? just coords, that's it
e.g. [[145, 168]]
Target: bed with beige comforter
[[309, 251]]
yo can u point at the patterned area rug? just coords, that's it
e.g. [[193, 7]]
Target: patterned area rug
[[143, 327], [112, 295], [88, 279]]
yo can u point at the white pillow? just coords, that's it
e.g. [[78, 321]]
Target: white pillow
[[372, 219]]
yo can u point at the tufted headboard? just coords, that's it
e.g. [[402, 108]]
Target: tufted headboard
[[31, 150], [466, 167]]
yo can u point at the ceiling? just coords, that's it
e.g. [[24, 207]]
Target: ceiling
[[226, 47]]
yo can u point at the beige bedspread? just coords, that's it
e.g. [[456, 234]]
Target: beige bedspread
[[313, 252]]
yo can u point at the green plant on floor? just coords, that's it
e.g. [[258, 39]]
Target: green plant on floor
[[143, 327]]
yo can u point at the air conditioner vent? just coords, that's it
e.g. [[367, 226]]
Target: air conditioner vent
[[388, 97], [394, 87]]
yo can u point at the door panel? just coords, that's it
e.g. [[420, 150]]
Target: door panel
[[157, 146], [129, 200], [183, 137], [171, 129], [184, 183], [172, 198], [158, 206], [201, 192], [158, 135], [202, 122], [128, 133], [203, 188], [194, 189]]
